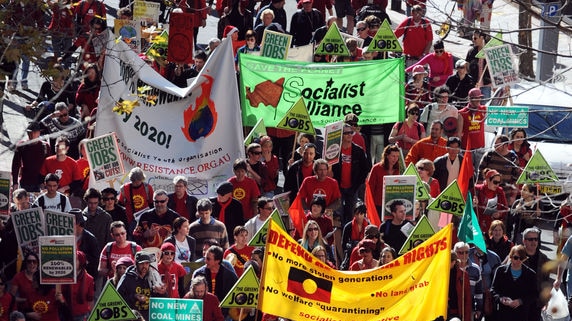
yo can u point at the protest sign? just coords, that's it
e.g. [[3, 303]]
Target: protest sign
[[146, 10], [275, 44], [244, 293], [57, 259], [422, 194], [58, 223], [259, 238], [373, 90], [297, 119], [104, 158], [333, 142], [175, 309], [399, 187], [449, 201], [419, 234], [111, 306], [257, 131], [537, 170], [384, 40], [129, 31], [176, 131], [4, 192], [502, 65], [333, 43], [297, 286], [29, 225]]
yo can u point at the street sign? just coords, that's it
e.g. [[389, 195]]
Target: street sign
[[550, 9], [507, 116]]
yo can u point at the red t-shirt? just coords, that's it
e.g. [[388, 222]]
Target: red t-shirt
[[327, 188], [5, 308], [246, 192], [137, 201], [473, 126], [116, 254], [307, 170], [181, 208], [67, 170], [244, 253], [346, 160], [170, 276]]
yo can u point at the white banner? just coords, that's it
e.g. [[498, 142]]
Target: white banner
[[194, 131]]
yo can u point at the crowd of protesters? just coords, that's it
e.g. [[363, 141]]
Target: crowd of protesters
[[139, 238]]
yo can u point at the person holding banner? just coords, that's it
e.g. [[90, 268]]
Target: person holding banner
[[353, 233], [265, 207], [312, 237], [365, 249], [392, 231], [389, 165], [155, 223]]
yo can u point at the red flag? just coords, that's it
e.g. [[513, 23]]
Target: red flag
[[467, 170], [297, 214], [372, 214]]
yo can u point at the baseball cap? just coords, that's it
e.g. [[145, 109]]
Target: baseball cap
[[125, 260], [417, 70], [475, 92], [142, 257], [460, 63], [351, 119]]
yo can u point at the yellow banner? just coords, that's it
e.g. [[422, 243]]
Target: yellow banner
[[297, 286]]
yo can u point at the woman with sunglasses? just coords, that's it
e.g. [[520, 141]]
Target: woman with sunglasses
[[405, 134], [490, 199], [440, 65], [172, 273], [514, 287], [313, 237]]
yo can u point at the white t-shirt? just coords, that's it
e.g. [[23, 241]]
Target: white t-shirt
[[437, 114], [54, 203], [182, 251]]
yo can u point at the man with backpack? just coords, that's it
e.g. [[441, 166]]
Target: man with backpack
[[116, 249], [417, 35], [52, 199]]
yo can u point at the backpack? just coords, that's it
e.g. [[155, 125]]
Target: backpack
[[108, 252], [424, 23], [400, 124], [42, 202]]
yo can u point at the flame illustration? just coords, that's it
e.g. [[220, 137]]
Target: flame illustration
[[201, 120]]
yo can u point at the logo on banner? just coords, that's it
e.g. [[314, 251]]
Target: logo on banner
[[309, 286], [201, 120]]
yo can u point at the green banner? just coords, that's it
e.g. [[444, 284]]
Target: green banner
[[373, 90]]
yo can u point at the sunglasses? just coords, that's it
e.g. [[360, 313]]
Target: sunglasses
[[517, 258], [532, 239], [168, 253], [420, 168], [257, 153], [495, 182], [360, 29], [462, 252], [439, 51], [64, 115], [108, 198], [311, 229], [413, 112], [160, 201]]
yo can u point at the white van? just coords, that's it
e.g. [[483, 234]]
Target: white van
[[549, 130]]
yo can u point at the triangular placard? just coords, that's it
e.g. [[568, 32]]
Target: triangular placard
[[495, 41], [108, 303], [259, 238], [297, 119], [257, 131], [244, 293], [537, 170], [449, 201], [422, 193], [333, 43], [384, 40], [421, 232]]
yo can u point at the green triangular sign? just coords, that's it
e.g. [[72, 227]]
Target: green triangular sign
[[537, 170], [297, 119], [385, 40], [257, 131], [422, 193], [495, 41], [108, 301], [244, 293], [449, 201], [196, 308], [259, 238], [333, 43], [421, 232]]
